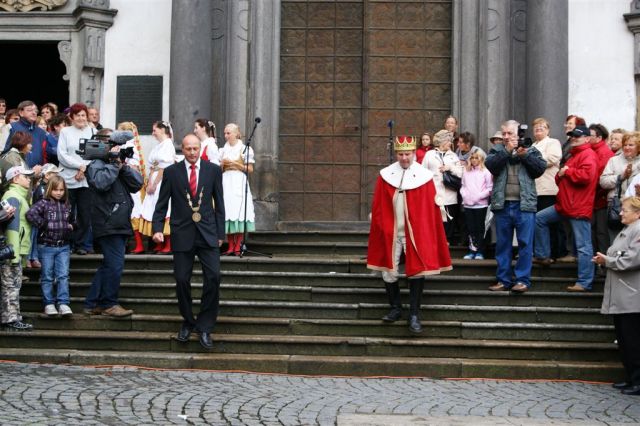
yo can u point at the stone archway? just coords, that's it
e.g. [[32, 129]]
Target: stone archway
[[77, 26]]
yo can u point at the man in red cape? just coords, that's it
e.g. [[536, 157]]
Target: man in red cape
[[405, 218]]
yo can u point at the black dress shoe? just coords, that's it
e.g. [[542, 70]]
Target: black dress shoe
[[632, 390], [621, 385], [205, 341], [184, 333]]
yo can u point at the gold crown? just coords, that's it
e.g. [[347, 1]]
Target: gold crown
[[404, 143]]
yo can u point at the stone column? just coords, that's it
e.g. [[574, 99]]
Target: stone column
[[237, 84], [469, 66], [264, 80], [190, 86], [547, 63]]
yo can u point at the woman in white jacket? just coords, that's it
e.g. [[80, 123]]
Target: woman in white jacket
[[439, 161], [622, 168]]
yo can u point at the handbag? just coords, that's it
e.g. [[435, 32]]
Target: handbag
[[451, 181], [613, 209]]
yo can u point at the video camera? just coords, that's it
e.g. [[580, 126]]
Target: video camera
[[522, 141], [6, 250], [99, 148]]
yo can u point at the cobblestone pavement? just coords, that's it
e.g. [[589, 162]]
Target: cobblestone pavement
[[52, 394]]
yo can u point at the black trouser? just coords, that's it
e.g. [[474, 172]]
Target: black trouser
[[80, 200], [183, 268], [556, 230], [475, 224], [628, 334], [450, 224]]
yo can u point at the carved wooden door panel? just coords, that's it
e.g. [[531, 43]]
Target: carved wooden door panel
[[346, 69]]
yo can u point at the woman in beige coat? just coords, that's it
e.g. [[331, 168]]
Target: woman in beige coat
[[622, 292]]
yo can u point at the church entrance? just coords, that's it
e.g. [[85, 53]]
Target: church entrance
[[32, 71], [346, 69]]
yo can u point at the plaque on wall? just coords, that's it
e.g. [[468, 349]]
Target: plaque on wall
[[139, 99]]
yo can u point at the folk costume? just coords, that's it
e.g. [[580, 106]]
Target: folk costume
[[233, 183], [405, 218], [162, 156]]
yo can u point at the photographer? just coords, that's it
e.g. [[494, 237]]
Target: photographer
[[514, 165], [111, 183]]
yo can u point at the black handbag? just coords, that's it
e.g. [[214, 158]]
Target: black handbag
[[451, 181], [613, 209]]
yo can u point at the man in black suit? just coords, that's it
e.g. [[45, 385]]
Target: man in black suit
[[197, 228]]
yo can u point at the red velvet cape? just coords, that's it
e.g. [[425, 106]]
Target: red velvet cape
[[426, 251]]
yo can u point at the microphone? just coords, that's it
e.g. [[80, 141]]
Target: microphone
[[120, 137], [258, 119], [390, 124]]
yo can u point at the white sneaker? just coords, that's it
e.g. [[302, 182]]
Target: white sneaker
[[65, 310], [50, 310]]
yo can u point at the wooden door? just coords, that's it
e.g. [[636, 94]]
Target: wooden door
[[346, 69]]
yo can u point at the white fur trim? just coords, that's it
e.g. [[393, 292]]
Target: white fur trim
[[414, 177]]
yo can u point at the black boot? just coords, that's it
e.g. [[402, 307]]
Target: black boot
[[393, 293], [416, 285]]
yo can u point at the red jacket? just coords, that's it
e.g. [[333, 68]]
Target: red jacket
[[603, 153], [577, 188]]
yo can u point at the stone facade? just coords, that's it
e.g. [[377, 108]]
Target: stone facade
[[79, 26]]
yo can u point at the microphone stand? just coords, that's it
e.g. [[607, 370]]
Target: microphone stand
[[390, 143], [247, 148]]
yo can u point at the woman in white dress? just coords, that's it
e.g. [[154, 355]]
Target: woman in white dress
[[136, 162], [236, 165], [162, 156], [205, 130]]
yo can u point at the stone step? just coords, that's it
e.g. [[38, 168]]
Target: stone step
[[354, 236], [305, 263], [324, 279], [366, 366], [305, 293], [316, 345], [335, 327], [316, 310]]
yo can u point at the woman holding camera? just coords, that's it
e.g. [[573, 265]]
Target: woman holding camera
[[74, 173]]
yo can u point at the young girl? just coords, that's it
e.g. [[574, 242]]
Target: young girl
[[232, 160], [477, 184], [52, 217]]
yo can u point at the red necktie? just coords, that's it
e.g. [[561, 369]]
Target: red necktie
[[193, 181]]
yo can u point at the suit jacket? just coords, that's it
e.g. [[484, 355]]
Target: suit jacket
[[175, 184]]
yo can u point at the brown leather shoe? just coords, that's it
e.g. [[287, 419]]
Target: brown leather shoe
[[566, 259], [93, 311], [576, 288], [498, 287], [542, 261], [117, 311], [519, 288]]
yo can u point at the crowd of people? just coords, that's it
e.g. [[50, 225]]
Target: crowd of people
[[58, 202], [575, 200]]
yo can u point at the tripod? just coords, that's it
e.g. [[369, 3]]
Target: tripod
[[390, 143], [247, 148]]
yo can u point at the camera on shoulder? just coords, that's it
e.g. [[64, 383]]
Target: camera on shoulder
[[99, 147]]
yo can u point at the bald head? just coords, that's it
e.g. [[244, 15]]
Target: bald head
[[191, 148]]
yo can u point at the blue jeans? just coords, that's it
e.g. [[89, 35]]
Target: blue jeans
[[55, 266], [33, 253], [105, 286], [582, 236], [507, 220]]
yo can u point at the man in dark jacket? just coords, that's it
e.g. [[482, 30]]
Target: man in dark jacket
[[514, 202], [111, 183], [577, 181], [28, 113]]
